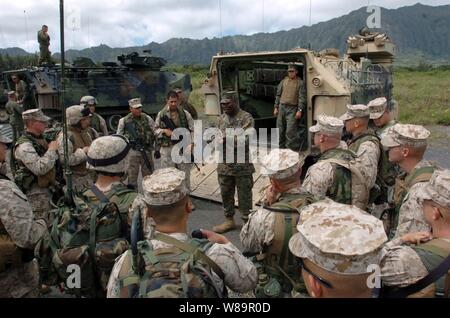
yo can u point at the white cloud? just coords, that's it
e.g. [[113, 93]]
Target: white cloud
[[120, 23]]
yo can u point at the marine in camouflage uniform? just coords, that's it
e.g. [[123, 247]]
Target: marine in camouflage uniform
[[332, 176], [79, 141], [22, 92], [19, 232], [140, 130], [97, 122], [382, 117], [181, 119], [290, 109], [184, 104], [268, 230], [407, 216], [44, 42], [336, 244], [14, 110], [107, 156], [234, 175], [167, 188], [411, 257], [36, 163], [365, 144]]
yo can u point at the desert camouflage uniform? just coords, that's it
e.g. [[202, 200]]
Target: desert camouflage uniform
[[81, 177], [167, 146], [236, 175], [44, 43], [145, 130], [167, 186], [410, 216], [404, 265], [99, 124], [18, 227], [39, 197], [14, 111], [189, 108]]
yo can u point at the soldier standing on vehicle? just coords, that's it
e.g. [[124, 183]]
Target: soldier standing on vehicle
[[184, 104], [19, 232], [232, 174], [14, 110], [168, 119], [140, 130], [407, 145], [290, 109], [97, 122], [22, 92], [337, 245], [364, 143], [79, 141], [36, 163], [44, 42], [332, 176], [269, 229], [218, 262]]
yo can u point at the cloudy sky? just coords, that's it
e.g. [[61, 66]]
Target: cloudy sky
[[120, 23]]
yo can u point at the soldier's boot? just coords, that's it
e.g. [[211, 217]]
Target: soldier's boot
[[226, 226]]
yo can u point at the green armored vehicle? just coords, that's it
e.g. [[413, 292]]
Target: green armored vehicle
[[113, 84], [331, 82]]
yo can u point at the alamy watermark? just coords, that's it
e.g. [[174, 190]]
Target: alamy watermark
[[374, 19]]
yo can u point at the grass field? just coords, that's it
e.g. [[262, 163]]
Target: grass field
[[423, 95]]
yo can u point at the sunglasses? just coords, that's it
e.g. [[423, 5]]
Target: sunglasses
[[317, 277]]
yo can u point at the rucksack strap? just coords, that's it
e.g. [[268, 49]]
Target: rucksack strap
[[195, 251], [433, 276], [99, 194]]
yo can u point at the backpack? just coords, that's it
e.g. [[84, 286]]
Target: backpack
[[87, 235], [179, 271]]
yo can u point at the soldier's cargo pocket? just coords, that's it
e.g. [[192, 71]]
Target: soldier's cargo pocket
[[105, 255]]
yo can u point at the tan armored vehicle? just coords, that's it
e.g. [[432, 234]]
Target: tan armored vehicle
[[362, 74]]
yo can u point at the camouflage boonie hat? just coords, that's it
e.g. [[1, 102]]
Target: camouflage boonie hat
[[5, 139], [355, 111], [377, 107], [75, 113], [165, 186], [405, 135], [228, 97], [109, 154], [35, 114], [328, 125], [135, 103], [88, 100], [438, 188], [340, 238], [281, 163]]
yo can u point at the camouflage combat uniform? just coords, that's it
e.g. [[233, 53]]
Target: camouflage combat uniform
[[14, 111], [19, 232], [165, 187], [182, 119], [23, 94], [236, 175], [291, 98], [44, 43], [140, 132], [189, 108], [99, 124], [77, 139], [408, 216]]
